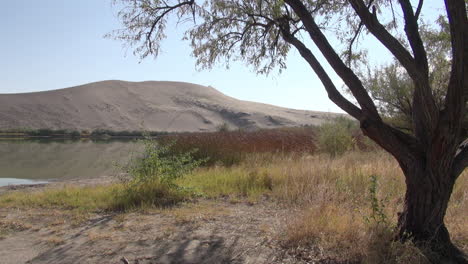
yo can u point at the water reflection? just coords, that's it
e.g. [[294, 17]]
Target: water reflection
[[12, 181], [63, 159]]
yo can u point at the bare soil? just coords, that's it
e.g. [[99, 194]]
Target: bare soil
[[205, 231]]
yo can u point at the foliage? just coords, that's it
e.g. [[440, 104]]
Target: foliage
[[147, 194], [151, 177], [377, 215], [224, 127], [159, 163], [336, 137], [393, 88], [113, 197]]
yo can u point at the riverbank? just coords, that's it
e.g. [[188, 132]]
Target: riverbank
[[292, 209], [201, 230]]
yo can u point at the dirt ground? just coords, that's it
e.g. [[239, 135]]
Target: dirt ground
[[205, 231]]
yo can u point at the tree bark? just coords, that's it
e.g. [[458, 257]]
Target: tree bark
[[422, 219]]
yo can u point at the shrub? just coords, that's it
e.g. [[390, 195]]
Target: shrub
[[224, 127], [152, 175], [75, 134], [160, 163], [335, 138]]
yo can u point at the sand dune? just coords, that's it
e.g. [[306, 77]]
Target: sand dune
[[155, 106]]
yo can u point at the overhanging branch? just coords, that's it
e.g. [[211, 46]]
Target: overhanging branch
[[400, 144], [457, 92], [162, 12], [418, 9], [414, 38], [390, 42], [425, 114], [333, 93], [346, 74]]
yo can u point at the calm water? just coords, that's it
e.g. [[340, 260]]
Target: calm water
[[31, 162]]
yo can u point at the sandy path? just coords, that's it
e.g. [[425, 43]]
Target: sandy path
[[21, 247], [202, 232]]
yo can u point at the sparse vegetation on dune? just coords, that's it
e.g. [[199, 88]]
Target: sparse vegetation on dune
[[343, 203]]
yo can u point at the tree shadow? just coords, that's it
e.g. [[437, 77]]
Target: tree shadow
[[186, 246]]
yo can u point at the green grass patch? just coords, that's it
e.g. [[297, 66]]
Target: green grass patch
[[68, 197], [147, 195], [114, 197], [235, 181]]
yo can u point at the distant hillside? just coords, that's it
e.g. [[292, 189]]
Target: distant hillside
[[155, 106]]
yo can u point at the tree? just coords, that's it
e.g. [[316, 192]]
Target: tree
[[261, 32], [392, 88]]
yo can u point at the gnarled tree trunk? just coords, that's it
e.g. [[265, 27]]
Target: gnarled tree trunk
[[426, 200], [429, 186]]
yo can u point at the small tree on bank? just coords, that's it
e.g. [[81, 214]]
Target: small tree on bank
[[262, 32]]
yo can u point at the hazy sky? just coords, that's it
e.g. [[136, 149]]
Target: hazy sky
[[52, 44]]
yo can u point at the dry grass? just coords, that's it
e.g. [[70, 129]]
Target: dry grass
[[335, 218], [54, 240], [197, 212], [9, 226], [232, 147], [335, 210], [111, 197]]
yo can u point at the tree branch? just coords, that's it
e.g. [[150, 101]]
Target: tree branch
[[425, 111], [457, 92], [391, 43], [412, 32], [345, 73], [356, 34], [333, 93], [166, 10], [418, 9], [400, 144], [351, 43]]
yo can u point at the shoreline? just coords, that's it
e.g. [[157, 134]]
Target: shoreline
[[196, 231], [56, 183]]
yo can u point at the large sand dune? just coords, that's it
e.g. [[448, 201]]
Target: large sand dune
[[155, 106]]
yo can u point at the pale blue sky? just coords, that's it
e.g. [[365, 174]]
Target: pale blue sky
[[52, 44]]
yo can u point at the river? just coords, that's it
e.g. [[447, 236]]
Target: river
[[39, 161]]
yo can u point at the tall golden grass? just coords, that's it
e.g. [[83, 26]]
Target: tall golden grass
[[334, 215]]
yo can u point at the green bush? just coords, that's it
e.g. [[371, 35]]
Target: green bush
[[160, 163], [336, 137], [152, 175]]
